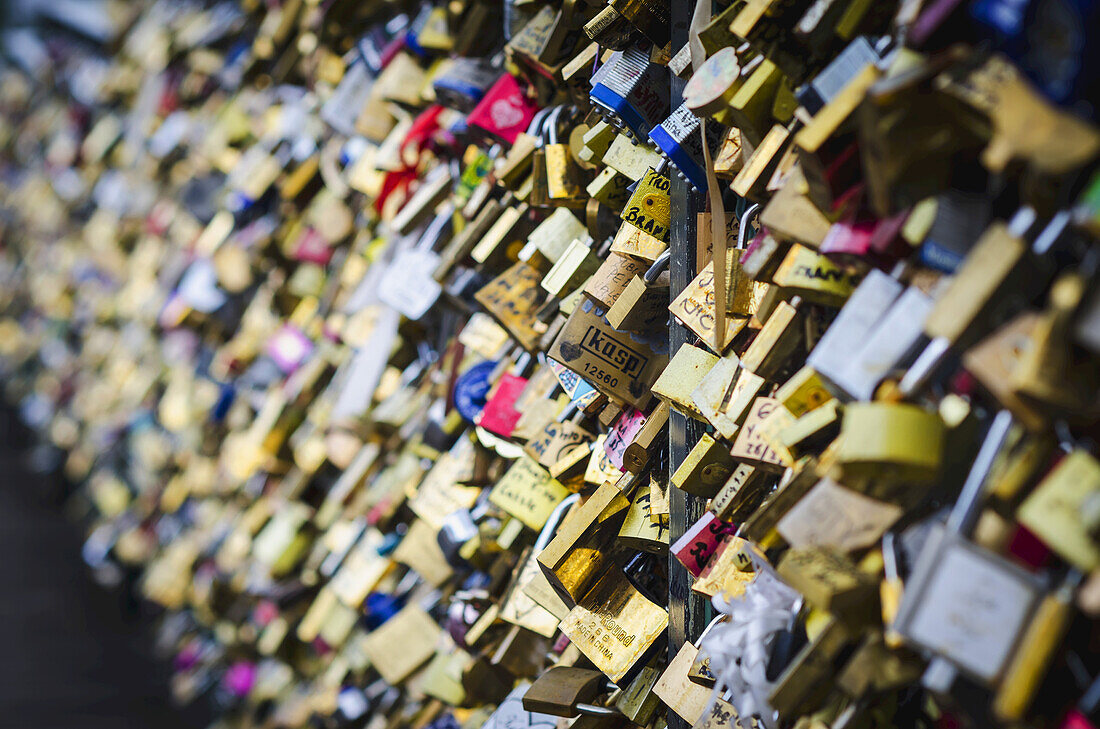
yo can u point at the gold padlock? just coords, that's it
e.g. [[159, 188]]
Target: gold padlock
[[707, 466], [580, 551], [682, 376], [744, 489], [638, 452], [643, 304], [614, 624], [642, 529], [898, 441]]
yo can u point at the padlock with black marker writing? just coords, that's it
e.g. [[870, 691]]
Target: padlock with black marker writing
[[643, 304]]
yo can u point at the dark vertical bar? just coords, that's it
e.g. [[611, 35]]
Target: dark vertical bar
[[686, 611]]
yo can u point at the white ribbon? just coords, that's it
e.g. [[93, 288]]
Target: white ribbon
[[739, 647]]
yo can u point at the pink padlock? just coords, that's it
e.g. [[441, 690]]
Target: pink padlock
[[626, 426], [699, 543], [504, 111], [500, 415]]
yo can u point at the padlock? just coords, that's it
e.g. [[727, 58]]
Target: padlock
[[643, 304], [615, 625], [776, 342], [565, 179], [710, 395], [420, 551], [753, 446], [512, 298], [504, 111], [580, 550], [638, 452], [463, 83], [680, 142], [531, 602], [898, 441], [642, 529], [631, 92], [688, 700], [705, 469], [609, 281], [638, 701], [810, 433], [613, 361], [744, 489], [728, 575], [1048, 374], [528, 492], [1053, 510], [649, 207], [794, 485], [575, 266], [681, 377], [866, 519], [553, 235], [696, 546], [415, 631], [562, 690]]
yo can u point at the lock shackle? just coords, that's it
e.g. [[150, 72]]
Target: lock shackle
[[1052, 233], [742, 225], [659, 266], [720, 617], [1067, 441], [965, 512], [550, 130], [567, 412], [593, 710], [890, 556], [535, 127], [434, 229], [553, 521]]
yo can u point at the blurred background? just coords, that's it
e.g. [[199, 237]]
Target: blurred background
[[76, 653]]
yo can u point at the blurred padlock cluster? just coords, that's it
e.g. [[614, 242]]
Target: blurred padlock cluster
[[543, 364]]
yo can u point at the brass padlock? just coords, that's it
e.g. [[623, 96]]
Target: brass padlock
[[687, 699], [682, 376], [615, 625], [580, 551], [612, 361], [1049, 373], [565, 178], [642, 529], [707, 466], [643, 304], [561, 689], [883, 440], [415, 631], [575, 266], [744, 489], [638, 701], [647, 440]]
